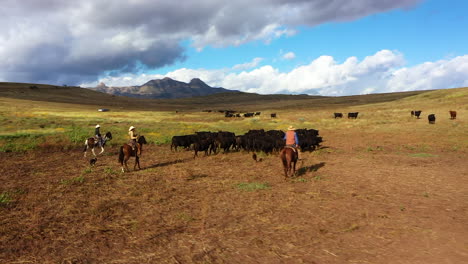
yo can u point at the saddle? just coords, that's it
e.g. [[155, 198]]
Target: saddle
[[291, 147]]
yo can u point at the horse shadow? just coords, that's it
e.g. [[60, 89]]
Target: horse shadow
[[167, 163], [303, 170]]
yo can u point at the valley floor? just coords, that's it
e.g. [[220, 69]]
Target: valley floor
[[361, 198]]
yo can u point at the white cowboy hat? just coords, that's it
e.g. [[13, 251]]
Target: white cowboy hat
[[132, 127], [98, 126], [291, 128]]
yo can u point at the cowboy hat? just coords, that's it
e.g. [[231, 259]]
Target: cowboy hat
[[132, 127], [291, 128], [98, 126]]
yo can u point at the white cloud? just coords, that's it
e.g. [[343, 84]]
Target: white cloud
[[249, 65], [289, 56], [76, 41], [382, 72]]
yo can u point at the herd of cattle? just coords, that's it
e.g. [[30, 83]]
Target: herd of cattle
[[233, 113], [417, 113], [431, 117], [254, 140]]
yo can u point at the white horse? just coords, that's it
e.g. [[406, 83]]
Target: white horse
[[93, 142]]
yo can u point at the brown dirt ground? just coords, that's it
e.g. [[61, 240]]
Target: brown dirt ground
[[352, 202]]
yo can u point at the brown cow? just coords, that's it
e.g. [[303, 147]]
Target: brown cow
[[453, 114]]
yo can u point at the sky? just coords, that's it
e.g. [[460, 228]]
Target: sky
[[316, 47]]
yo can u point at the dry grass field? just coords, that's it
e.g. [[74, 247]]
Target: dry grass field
[[384, 188]]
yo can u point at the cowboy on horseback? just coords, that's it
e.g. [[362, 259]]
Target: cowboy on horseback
[[97, 134], [133, 138], [292, 141]]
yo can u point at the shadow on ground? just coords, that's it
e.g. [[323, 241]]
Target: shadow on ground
[[303, 170]]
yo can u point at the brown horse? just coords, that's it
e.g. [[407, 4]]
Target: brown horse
[[126, 152], [288, 156], [93, 142]]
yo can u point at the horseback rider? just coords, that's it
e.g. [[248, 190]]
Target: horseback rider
[[292, 141], [97, 133], [133, 137]]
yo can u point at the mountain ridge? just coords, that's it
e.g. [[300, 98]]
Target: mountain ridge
[[165, 88]]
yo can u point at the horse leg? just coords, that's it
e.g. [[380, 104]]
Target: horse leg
[[294, 167], [125, 162], [85, 148], [285, 165], [92, 150], [102, 150], [137, 162]]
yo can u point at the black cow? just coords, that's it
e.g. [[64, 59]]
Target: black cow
[[257, 113], [202, 145], [431, 118], [416, 113], [225, 140], [353, 115], [273, 115], [308, 139], [249, 114], [182, 141], [338, 115]]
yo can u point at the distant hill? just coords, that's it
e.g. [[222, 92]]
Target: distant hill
[[230, 100], [166, 88]]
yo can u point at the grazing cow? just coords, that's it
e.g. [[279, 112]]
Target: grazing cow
[[353, 115], [182, 141], [249, 114], [416, 113], [453, 114], [273, 115], [431, 118], [257, 113], [338, 115]]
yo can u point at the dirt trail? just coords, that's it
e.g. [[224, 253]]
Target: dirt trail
[[352, 202]]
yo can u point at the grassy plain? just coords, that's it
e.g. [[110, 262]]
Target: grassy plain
[[29, 124], [384, 188]]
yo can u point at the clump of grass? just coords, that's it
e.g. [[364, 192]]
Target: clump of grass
[[317, 178], [300, 180], [5, 198], [75, 180], [185, 217], [109, 170], [422, 155], [253, 186], [378, 148]]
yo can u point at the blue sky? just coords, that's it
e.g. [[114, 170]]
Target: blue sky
[[307, 46], [430, 31]]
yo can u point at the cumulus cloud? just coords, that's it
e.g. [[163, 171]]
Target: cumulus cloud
[[60, 42], [381, 72], [289, 56]]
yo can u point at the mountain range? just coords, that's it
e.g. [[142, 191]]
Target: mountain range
[[165, 88]]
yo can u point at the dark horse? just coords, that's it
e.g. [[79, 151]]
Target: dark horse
[[93, 142], [289, 158], [126, 152]]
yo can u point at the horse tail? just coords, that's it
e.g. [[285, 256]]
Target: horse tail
[[121, 155]]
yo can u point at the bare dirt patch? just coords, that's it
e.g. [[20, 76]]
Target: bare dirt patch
[[361, 198]]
